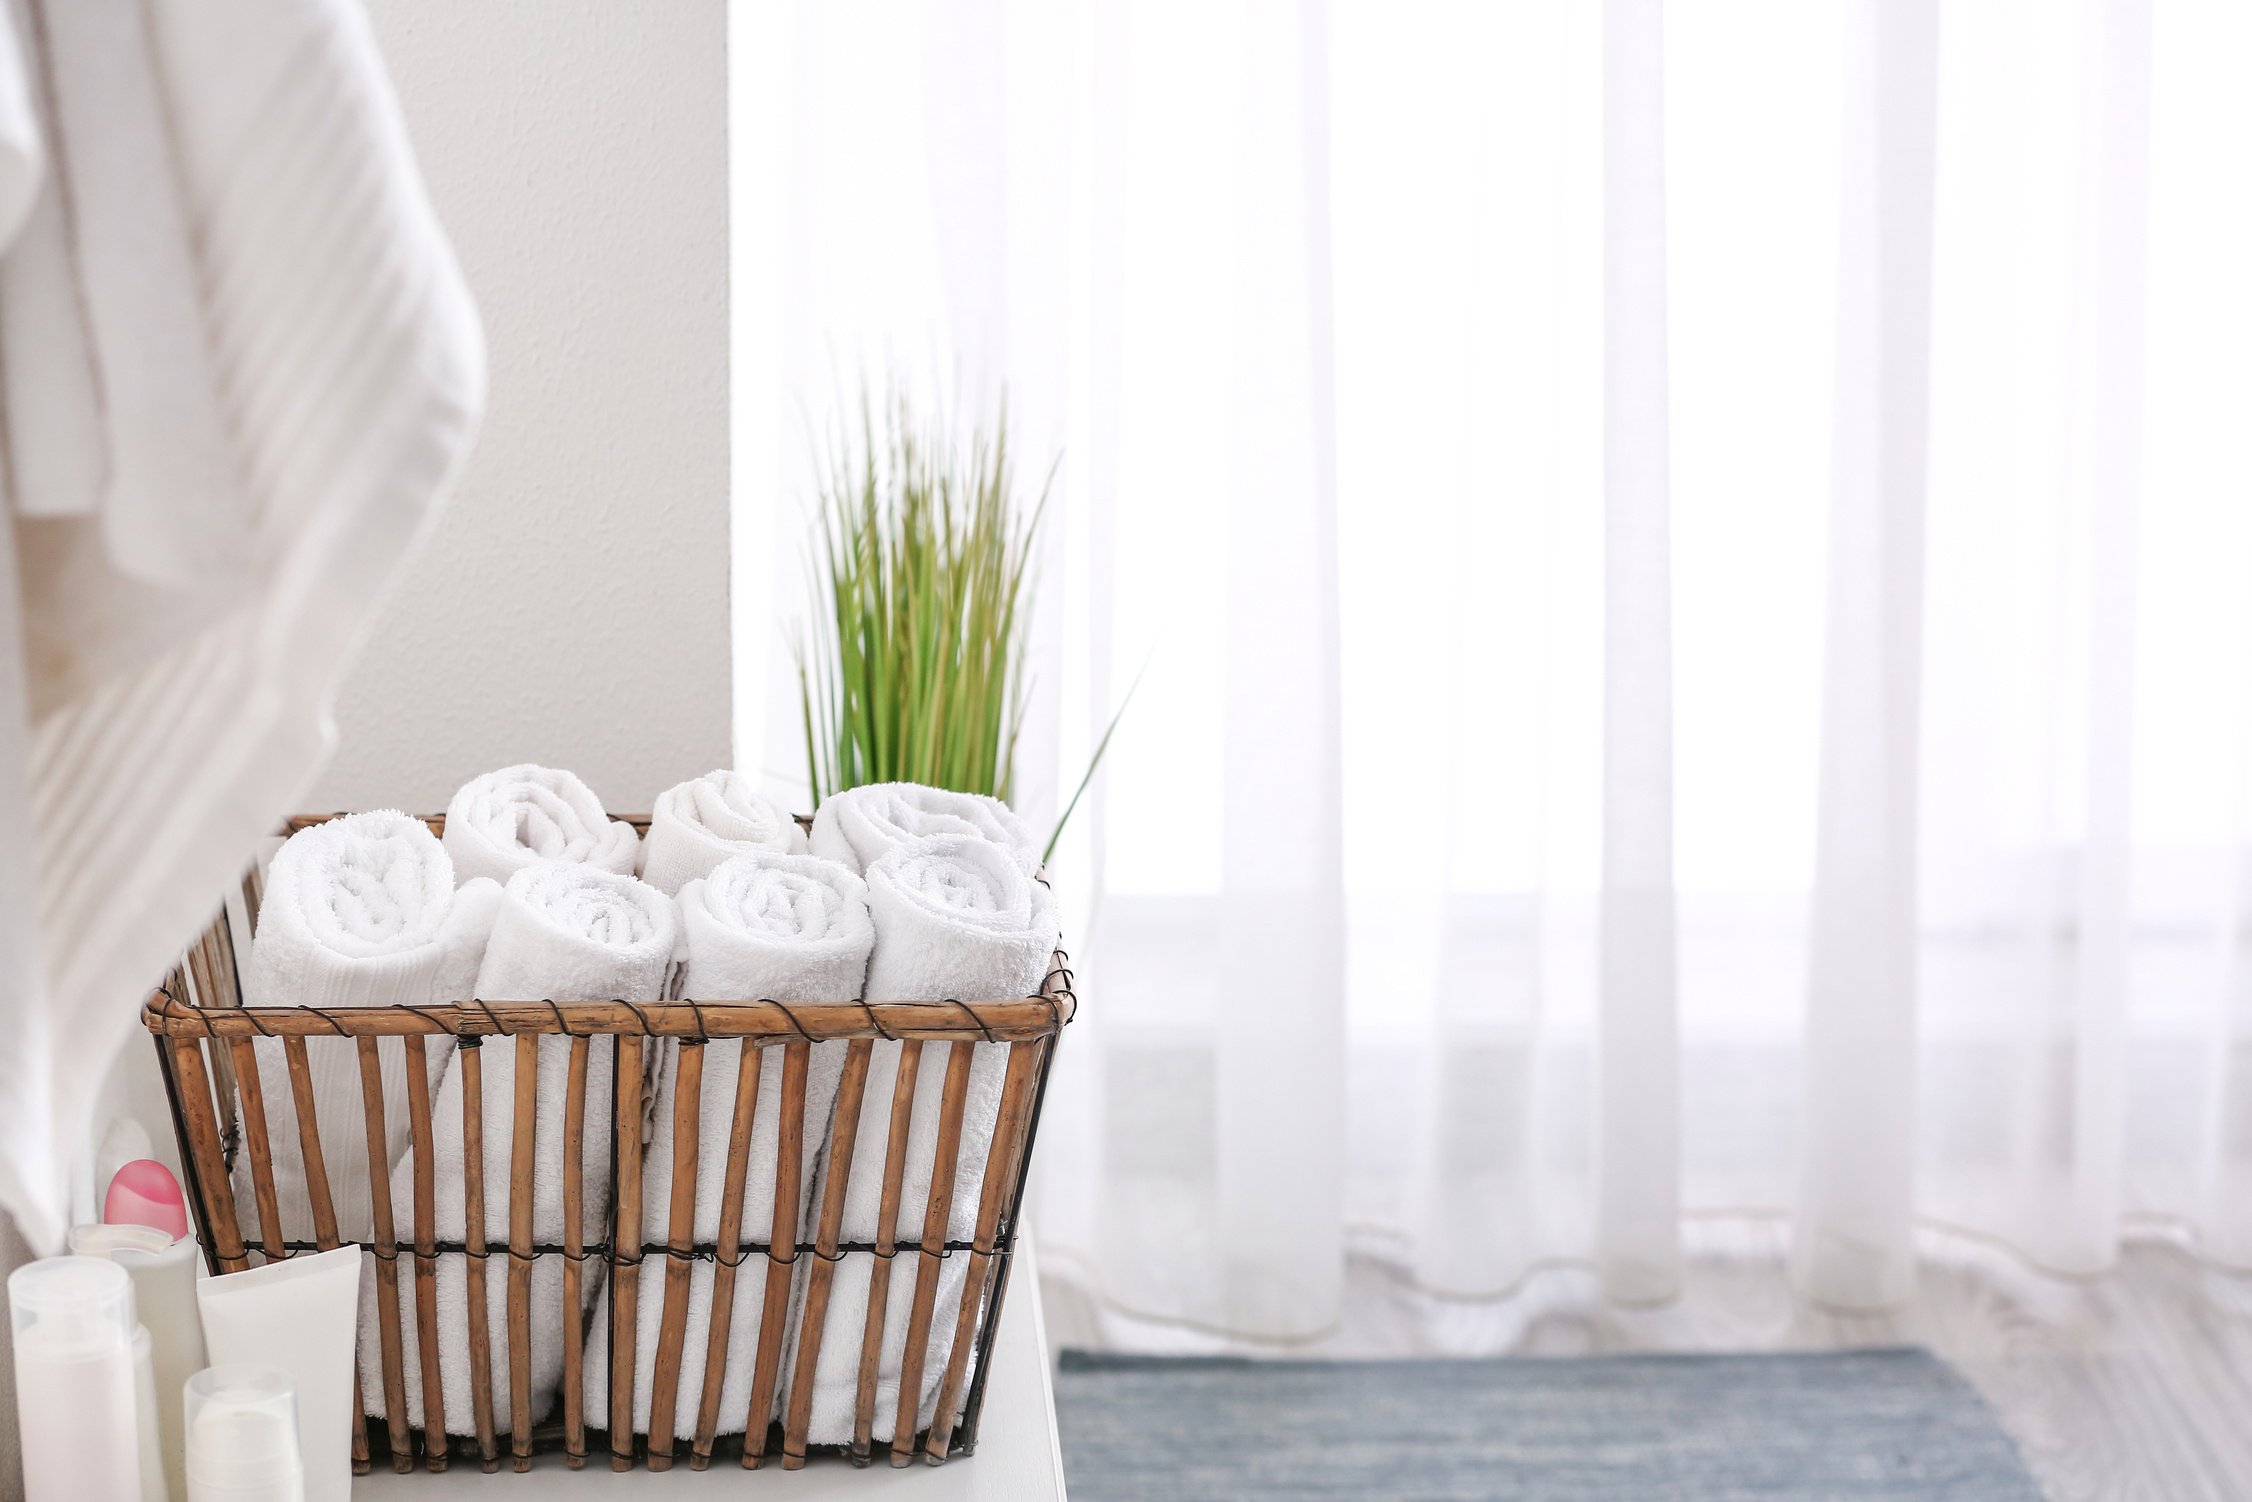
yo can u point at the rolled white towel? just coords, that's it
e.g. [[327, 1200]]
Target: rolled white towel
[[956, 918], [761, 927], [504, 821], [358, 912], [701, 822], [571, 933], [859, 826]]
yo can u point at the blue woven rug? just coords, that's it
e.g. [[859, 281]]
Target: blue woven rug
[[1849, 1426]]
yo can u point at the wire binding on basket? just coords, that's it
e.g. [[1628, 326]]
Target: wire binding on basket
[[424, 1014], [792, 1017], [341, 1030], [492, 1019], [975, 1020]]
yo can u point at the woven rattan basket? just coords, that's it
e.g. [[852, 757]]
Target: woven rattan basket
[[205, 1038]]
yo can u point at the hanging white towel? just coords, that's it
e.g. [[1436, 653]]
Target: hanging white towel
[[358, 912], [238, 366], [859, 826], [22, 158], [566, 932], [704, 821], [761, 927], [170, 499], [502, 822], [956, 918]]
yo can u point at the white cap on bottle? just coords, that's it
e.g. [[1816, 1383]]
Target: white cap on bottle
[[71, 1306]]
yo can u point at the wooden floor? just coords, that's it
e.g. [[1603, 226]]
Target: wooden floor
[[2131, 1386]]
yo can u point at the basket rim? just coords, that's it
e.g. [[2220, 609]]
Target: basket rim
[[694, 1019], [1014, 1020]]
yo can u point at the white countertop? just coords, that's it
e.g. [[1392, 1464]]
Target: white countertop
[[1017, 1458]]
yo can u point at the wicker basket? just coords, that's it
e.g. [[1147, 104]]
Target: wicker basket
[[204, 1040]]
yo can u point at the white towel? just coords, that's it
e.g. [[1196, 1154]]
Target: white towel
[[571, 933], [170, 497], [760, 927], [704, 821], [858, 827], [22, 156], [956, 918], [231, 405], [358, 912], [506, 820]]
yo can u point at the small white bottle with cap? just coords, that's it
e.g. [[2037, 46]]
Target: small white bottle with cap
[[242, 1436], [75, 1400]]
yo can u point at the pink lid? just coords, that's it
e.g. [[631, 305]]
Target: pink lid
[[144, 1193]]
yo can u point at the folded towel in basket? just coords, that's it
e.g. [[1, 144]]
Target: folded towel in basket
[[504, 821], [571, 933], [761, 927], [704, 821], [358, 912], [859, 826], [956, 917]]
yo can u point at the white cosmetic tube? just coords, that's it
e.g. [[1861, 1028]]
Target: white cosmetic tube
[[301, 1315]]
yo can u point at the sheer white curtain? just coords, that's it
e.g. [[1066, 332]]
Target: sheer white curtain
[[1690, 571]]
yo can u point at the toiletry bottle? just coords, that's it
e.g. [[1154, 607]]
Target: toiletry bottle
[[164, 1278], [126, 1141], [301, 1315], [144, 1193], [75, 1408], [151, 1440], [242, 1436]]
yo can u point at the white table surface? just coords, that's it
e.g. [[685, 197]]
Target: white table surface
[[1017, 1458]]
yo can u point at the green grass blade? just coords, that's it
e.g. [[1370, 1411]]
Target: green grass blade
[[1093, 762]]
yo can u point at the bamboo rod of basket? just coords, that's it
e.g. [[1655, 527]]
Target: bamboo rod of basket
[[206, 1040]]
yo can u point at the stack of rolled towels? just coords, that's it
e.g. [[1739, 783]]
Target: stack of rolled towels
[[902, 893]]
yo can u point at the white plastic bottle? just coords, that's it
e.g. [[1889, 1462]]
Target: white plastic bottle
[[164, 1279], [153, 1487], [242, 1436], [75, 1402]]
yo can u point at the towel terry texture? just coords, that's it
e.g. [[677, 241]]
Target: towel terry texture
[[764, 926], [358, 912], [956, 917], [859, 826], [708, 819], [570, 932], [238, 368], [506, 820]]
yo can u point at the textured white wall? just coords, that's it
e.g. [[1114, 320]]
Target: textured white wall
[[572, 606]]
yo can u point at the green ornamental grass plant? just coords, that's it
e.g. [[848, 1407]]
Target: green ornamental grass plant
[[913, 667]]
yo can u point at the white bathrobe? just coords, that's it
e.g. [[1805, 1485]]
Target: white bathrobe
[[238, 368]]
